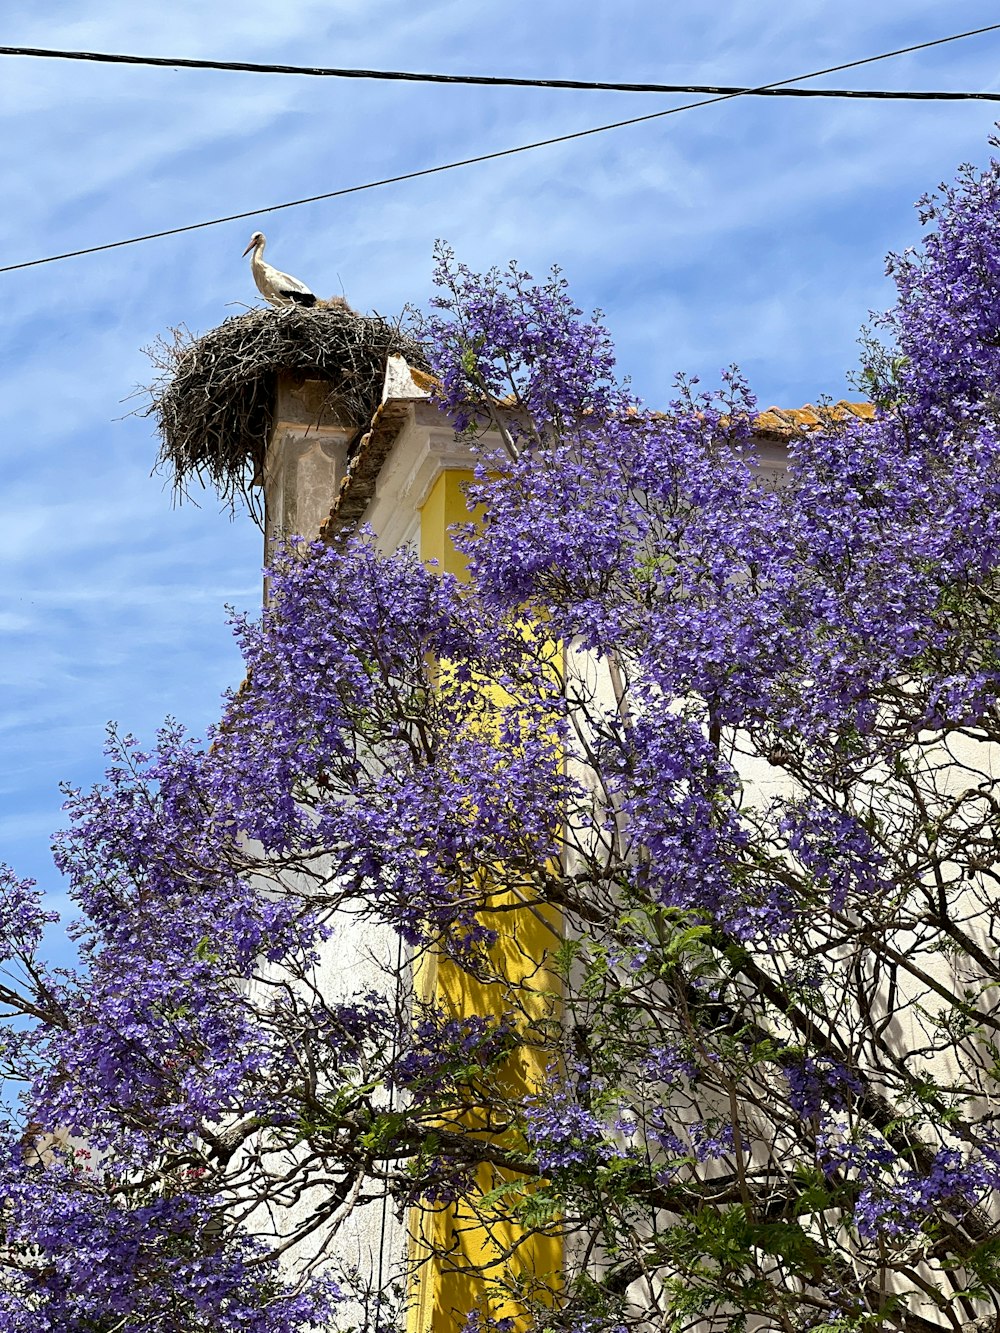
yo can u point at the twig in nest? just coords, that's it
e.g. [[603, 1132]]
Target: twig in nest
[[213, 396]]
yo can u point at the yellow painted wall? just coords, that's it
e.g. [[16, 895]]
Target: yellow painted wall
[[453, 1252]]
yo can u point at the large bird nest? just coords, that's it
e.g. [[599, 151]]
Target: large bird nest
[[214, 396]]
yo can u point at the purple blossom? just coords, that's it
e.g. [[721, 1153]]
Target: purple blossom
[[440, 1049], [565, 1134], [837, 852], [897, 1206], [84, 1254], [667, 1064], [818, 1084], [711, 1140]]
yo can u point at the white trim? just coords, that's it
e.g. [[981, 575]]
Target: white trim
[[425, 447]]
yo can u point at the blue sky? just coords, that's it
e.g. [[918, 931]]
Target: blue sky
[[753, 231]]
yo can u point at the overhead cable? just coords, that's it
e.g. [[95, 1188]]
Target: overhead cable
[[511, 81], [486, 157]]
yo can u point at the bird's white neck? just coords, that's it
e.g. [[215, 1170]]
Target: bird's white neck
[[257, 258]]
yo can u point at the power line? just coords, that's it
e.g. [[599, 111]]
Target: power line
[[505, 81], [489, 157]]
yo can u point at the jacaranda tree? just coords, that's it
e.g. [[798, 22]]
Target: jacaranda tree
[[740, 741]]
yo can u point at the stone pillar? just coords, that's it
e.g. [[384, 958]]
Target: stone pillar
[[305, 462]]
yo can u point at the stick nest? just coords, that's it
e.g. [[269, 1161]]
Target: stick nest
[[213, 398]]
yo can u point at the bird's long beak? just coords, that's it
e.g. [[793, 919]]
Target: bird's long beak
[[249, 247]]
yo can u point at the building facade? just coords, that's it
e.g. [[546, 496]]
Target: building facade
[[404, 477]]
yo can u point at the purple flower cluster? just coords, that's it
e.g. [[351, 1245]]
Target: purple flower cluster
[[818, 1084], [669, 1064], [491, 323], [80, 1258], [440, 1050], [795, 608], [347, 742], [837, 852], [896, 1203], [711, 1140], [565, 1135], [478, 1322]]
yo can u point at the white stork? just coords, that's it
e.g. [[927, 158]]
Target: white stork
[[279, 288]]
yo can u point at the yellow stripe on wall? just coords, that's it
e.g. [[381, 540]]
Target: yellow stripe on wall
[[455, 1254]]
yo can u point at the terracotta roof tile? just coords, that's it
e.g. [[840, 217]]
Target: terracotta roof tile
[[423, 380], [786, 421], [358, 486]]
